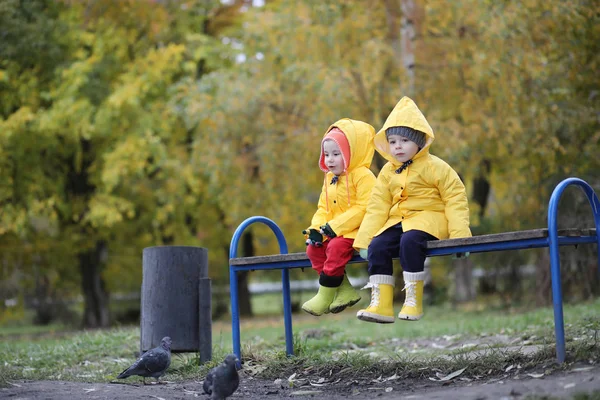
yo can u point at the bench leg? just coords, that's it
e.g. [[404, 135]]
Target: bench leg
[[235, 313], [557, 302], [287, 312]]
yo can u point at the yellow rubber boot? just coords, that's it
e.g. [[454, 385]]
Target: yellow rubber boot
[[319, 304], [381, 309], [346, 296], [412, 310]]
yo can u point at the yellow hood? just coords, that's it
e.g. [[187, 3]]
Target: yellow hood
[[405, 113], [360, 138]]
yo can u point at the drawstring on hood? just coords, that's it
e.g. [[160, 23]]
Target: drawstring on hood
[[404, 166], [334, 181]]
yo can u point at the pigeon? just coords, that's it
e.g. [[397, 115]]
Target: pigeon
[[152, 363], [223, 379]]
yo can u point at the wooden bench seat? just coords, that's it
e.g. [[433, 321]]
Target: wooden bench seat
[[493, 238]]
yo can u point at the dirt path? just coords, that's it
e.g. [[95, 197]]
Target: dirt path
[[583, 379]]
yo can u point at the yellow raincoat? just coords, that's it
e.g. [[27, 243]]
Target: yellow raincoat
[[345, 213], [428, 195]]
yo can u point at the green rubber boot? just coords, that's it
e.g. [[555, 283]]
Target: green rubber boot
[[319, 304], [345, 296]]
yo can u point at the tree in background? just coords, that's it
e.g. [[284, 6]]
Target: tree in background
[[137, 123], [505, 82], [97, 157]]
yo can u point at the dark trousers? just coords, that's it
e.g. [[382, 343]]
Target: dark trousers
[[409, 246]]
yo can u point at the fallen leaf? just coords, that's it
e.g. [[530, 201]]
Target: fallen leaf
[[509, 368], [254, 369], [388, 389], [305, 392], [292, 376], [450, 376], [536, 375], [14, 384], [582, 369], [393, 377], [89, 390], [157, 398], [569, 385]]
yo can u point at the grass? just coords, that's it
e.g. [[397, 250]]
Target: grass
[[334, 344]]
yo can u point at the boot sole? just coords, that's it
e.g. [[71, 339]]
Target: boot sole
[[313, 313], [405, 317], [342, 307], [380, 319]]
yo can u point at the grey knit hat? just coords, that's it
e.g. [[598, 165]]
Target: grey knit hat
[[411, 134]]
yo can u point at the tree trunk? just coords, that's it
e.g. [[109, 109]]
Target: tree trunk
[[464, 287], [243, 291], [95, 313], [410, 23], [543, 280], [481, 187]]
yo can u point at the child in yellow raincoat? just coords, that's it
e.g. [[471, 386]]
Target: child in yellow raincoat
[[417, 197], [346, 154]]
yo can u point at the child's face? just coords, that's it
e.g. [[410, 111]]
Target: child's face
[[402, 149], [333, 157]]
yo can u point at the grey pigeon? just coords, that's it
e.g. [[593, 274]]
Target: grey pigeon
[[152, 363], [223, 379]]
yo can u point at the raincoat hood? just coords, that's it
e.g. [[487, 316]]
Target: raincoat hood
[[343, 200], [360, 139], [405, 113]]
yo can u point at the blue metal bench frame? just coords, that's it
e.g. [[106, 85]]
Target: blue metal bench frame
[[552, 241]]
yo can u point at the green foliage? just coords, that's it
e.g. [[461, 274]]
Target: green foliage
[[137, 125], [511, 93]]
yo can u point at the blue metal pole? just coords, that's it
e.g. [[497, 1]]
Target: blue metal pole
[[235, 312], [553, 245], [287, 312], [233, 283]]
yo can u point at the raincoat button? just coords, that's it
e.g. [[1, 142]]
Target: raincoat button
[[334, 202], [401, 188]]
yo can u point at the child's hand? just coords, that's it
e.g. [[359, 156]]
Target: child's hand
[[327, 231], [363, 253], [313, 237]]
